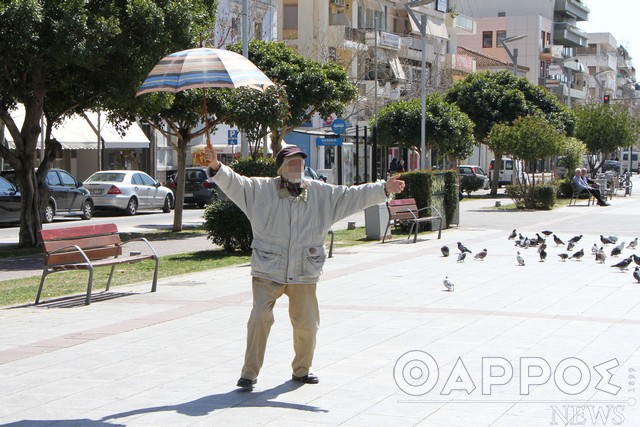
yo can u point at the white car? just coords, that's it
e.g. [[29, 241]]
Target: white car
[[128, 191]]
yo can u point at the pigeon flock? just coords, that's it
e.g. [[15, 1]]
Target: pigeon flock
[[598, 251]]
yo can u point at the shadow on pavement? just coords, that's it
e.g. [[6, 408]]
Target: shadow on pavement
[[236, 398]]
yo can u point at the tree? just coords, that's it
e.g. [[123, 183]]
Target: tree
[[571, 154], [72, 56], [312, 87], [605, 128], [448, 129], [500, 97], [255, 113], [528, 138]]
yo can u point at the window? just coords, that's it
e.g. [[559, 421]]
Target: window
[[500, 35], [290, 20], [67, 180], [487, 39]]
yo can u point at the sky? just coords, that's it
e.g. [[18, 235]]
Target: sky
[[618, 17]]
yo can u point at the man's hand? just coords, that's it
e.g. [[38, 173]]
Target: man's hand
[[211, 157], [394, 185]]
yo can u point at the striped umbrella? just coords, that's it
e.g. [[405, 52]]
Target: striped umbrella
[[202, 68]]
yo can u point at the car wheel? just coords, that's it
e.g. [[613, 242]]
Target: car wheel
[[166, 208], [132, 207], [49, 213], [87, 210], [200, 204]]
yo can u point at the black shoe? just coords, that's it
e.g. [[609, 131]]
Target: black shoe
[[307, 379], [604, 204], [246, 384]]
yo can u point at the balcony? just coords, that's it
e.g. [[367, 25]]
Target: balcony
[[460, 24], [569, 35], [573, 8], [602, 61]]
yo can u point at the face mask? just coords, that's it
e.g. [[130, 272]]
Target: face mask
[[292, 170]]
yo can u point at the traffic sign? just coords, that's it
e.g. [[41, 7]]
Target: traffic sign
[[339, 126], [232, 136], [328, 142]]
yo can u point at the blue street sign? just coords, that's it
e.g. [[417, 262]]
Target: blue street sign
[[328, 142], [232, 136], [339, 126]]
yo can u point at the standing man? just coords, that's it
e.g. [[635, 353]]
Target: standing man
[[290, 218]]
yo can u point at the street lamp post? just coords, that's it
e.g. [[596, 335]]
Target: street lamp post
[[422, 25], [513, 55]]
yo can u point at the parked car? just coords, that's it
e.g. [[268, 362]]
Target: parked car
[[611, 165], [197, 189], [475, 171], [9, 202], [67, 196], [312, 174], [128, 191]]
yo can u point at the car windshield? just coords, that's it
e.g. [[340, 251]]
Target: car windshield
[[479, 171], [106, 177]]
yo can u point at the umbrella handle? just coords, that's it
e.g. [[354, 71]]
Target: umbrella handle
[[206, 117]]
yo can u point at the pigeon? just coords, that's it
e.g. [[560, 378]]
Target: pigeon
[[605, 240], [601, 256], [557, 240], [613, 239], [543, 247], [547, 233], [563, 257], [480, 255], [513, 235], [575, 239], [636, 274], [594, 249], [462, 256], [636, 259], [520, 259], [624, 264], [632, 244], [543, 255], [444, 250], [463, 248], [617, 250], [448, 284], [578, 255], [570, 245], [539, 238]]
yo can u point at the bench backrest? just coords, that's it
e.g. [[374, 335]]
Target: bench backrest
[[97, 242], [399, 209]]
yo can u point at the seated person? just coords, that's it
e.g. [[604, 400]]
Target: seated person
[[581, 185], [588, 180]]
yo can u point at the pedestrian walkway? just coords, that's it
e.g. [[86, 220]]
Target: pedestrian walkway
[[549, 343]]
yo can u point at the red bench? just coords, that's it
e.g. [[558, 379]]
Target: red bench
[[405, 212], [87, 247]]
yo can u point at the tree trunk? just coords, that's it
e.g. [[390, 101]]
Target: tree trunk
[[497, 165], [183, 142]]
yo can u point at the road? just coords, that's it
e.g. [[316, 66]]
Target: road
[[143, 221]]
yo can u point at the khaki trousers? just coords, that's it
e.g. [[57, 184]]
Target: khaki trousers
[[304, 315]]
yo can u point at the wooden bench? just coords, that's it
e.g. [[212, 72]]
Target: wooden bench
[[404, 212], [87, 247]]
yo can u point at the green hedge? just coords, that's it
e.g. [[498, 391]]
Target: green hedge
[[538, 197], [432, 188]]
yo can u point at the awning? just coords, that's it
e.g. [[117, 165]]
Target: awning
[[80, 133], [134, 137], [74, 133], [396, 67]]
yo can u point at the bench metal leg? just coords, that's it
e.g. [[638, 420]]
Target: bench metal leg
[[44, 275], [113, 267], [154, 284], [87, 300], [331, 244], [385, 231]]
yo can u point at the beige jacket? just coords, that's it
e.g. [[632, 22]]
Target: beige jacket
[[289, 232]]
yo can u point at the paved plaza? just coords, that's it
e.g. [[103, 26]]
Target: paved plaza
[[547, 343]]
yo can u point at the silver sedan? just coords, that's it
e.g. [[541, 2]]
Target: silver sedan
[[128, 191]]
